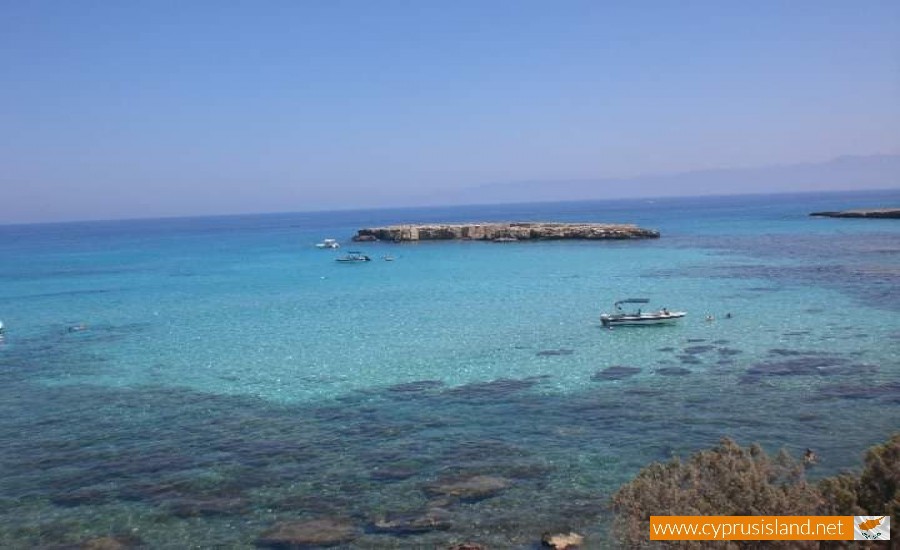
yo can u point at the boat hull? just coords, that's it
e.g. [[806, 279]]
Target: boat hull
[[641, 320]]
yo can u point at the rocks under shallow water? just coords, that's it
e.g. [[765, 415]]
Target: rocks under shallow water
[[615, 373], [197, 507], [645, 392], [494, 388], [818, 365], [667, 348], [417, 386], [890, 390], [119, 542], [695, 340], [84, 496], [554, 352], [290, 535], [435, 519], [794, 352], [689, 359], [698, 349], [673, 371], [393, 473], [729, 351], [470, 488]]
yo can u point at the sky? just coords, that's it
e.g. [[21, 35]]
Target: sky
[[113, 109]]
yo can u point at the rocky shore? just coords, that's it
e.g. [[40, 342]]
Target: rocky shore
[[502, 232], [872, 213]]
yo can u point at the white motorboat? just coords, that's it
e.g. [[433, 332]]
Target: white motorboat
[[639, 317], [328, 243], [353, 257]]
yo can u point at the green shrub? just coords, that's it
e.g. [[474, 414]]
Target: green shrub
[[879, 484], [728, 480]]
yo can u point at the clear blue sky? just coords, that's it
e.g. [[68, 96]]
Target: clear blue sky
[[129, 109]]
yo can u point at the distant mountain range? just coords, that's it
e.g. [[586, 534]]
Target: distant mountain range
[[843, 173]]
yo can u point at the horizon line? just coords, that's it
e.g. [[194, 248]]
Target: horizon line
[[435, 206]]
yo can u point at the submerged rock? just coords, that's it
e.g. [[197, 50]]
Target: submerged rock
[[889, 390], [470, 488], [498, 387], [552, 352], [816, 365], [84, 496], [673, 371], [435, 519], [119, 542], [196, 507], [698, 349], [393, 473], [290, 535], [417, 386], [794, 352], [615, 373]]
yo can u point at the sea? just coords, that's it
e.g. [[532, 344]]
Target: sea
[[193, 382]]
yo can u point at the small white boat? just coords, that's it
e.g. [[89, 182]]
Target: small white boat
[[639, 317], [1, 328], [353, 257], [328, 243]]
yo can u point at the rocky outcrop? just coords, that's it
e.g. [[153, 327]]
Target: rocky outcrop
[[502, 232], [562, 541], [873, 213]]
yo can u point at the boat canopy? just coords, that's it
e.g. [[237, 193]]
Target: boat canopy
[[633, 301]]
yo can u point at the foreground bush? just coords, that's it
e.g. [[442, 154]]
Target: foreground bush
[[732, 480], [875, 492]]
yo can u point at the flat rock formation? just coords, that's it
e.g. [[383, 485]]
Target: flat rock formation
[[872, 213], [502, 232]]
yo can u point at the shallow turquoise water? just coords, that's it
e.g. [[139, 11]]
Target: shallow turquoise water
[[229, 363]]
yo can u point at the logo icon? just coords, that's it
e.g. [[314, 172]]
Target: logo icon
[[871, 528]]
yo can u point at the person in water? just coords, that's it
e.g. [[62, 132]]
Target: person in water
[[809, 457]]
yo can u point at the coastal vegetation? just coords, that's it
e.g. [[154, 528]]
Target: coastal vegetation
[[744, 481]]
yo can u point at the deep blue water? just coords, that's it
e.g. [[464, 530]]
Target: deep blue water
[[232, 375]]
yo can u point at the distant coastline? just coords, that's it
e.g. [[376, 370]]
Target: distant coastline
[[861, 213], [504, 232]]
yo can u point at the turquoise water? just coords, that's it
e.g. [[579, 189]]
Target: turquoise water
[[232, 375]]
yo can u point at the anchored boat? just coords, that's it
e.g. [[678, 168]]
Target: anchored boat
[[353, 257], [639, 317], [328, 243]]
